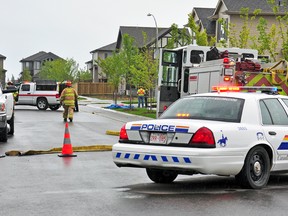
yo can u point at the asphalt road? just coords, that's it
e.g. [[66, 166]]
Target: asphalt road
[[90, 184]]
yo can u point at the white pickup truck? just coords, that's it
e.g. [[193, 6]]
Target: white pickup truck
[[43, 94], [6, 115]]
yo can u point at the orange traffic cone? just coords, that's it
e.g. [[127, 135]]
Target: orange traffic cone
[[67, 150]]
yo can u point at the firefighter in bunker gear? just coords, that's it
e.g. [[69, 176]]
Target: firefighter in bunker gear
[[67, 99], [141, 93]]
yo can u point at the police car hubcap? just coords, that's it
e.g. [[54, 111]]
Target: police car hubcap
[[257, 168]]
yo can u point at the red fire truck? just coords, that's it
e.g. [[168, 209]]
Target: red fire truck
[[195, 69]]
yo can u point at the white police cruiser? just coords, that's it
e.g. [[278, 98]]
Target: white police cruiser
[[224, 133]]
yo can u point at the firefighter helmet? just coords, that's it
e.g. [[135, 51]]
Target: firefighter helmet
[[69, 83]]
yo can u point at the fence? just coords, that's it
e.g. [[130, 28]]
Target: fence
[[89, 88]]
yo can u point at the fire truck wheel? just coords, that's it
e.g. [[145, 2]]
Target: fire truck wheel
[[42, 103], [161, 176], [256, 170]]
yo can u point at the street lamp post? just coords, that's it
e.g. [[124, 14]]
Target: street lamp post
[[156, 41], [156, 47]]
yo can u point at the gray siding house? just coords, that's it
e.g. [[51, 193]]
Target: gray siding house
[[100, 53], [34, 62]]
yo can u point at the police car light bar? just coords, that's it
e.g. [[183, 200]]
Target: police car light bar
[[266, 89]]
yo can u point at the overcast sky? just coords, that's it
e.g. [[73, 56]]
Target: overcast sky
[[73, 28]]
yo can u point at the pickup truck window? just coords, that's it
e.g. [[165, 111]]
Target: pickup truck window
[[46, 87], [25, 88]]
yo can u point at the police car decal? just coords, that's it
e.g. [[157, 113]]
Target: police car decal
[[223, 140], [151, 157], [260, 136], [163, 128], [284, 143]]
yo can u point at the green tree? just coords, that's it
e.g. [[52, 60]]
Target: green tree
[[113, 67], [26, 76], [84, 75], [59, 70], [178, 37], [129, 51], [267, 39], [239, 39], [282, 23], [201, 37], [145, 71]]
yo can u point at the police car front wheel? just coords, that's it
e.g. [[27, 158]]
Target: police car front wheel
[[161, 176], [256, 170]]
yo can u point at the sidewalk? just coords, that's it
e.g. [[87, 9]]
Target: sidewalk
[[95, 101], [101, 104]]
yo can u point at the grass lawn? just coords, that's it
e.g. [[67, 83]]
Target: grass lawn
[[139, 111], [135, 111]]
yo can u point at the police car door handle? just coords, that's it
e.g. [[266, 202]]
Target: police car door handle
[[273, 133]]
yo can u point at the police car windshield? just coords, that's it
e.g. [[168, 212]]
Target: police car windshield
[[206, 108]]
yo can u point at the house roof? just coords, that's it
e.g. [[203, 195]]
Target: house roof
[[234, 7], [40, 56], [137, 33], [2, 57], [109, 47], [203, 14]]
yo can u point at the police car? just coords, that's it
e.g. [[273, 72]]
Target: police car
[[224, 133]]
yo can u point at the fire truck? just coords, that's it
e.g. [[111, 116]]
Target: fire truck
[[196, 69]]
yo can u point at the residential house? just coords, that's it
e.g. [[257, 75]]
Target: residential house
[[164, 35], [201, 18], [230, 11], [34, 62], [92, 65], [2, 70]]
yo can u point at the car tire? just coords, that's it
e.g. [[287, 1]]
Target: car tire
[[42, 103], [11, 123], [4, 135], [54, 107], [256, 170], [161, 176]]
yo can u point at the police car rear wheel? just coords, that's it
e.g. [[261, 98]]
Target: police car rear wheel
[[256, 170], [161, 176]]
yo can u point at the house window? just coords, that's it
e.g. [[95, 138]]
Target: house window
[[37, 65], [221, 30], [27, 64], [105, 55]]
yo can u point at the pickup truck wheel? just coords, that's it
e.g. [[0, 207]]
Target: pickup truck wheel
[[4, 135], [11, 123], [161, 176], [54, 107], [42, 104]]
